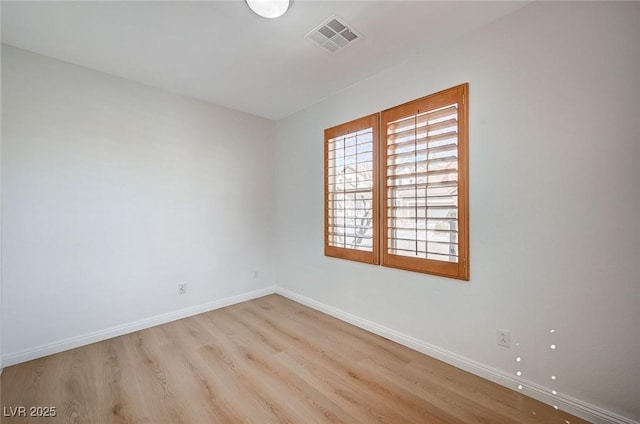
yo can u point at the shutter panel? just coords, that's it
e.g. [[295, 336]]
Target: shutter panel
[[351, 215], [425, 184]]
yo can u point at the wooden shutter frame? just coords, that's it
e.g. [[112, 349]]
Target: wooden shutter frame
[[460, 270], [378, 122], [373, 257]]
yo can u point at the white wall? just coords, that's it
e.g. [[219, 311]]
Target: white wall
[[554, 202], [114, 192]]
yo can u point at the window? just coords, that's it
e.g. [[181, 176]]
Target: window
[[351, 192], [422, 217], [425, 185]]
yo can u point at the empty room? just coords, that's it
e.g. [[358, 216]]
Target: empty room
[[274, 211]]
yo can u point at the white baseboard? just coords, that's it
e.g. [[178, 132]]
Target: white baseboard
[[119, 330], [569, 404]]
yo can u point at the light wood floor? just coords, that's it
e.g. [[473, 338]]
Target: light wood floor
[[269, 360]]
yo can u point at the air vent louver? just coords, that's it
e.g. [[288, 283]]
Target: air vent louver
[[333, 35]]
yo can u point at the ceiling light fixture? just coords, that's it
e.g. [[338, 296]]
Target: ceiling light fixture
[[269, 8]]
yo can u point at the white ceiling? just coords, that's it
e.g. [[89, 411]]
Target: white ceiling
[[219, 51]]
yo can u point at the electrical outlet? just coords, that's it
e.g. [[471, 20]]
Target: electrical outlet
[[182, 288], [504, 337]]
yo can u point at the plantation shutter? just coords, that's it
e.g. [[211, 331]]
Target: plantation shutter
[[425, 216], [351, 204]]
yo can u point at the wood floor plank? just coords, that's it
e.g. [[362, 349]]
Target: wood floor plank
[[269, 360], [258, 360], [158, 391]]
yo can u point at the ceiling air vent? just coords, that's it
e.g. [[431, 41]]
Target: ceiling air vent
[[333, 35]]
